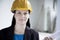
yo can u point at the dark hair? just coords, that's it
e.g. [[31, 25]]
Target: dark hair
[[14, 22]]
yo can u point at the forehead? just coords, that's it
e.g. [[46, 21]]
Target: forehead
[[22, 11]]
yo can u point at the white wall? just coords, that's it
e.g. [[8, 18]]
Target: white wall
[[37, 14], [5, 14], [58, 16]]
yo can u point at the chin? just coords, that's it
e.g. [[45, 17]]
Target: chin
[[22, 23]]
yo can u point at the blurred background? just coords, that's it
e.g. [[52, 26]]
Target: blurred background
[[44, 18]]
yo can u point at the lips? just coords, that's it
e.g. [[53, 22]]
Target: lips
[[22, 20]]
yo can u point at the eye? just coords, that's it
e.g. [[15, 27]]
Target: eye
[[18, 13], [25, 13]]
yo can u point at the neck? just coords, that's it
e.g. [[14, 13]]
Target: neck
[[19, 29]]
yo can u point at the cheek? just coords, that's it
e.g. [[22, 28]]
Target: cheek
[[16, 17]]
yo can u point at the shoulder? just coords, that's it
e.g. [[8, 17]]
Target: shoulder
[[4, 30], [2, 33], [32, 30], [34, 34]]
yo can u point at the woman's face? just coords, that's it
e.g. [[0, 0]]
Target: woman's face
[[21, 16]]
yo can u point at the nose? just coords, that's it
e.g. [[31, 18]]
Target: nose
[[22, 15]]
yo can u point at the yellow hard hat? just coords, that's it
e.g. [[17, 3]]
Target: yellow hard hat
[[21, 5]]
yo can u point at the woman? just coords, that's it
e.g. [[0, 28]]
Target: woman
[[20, 28]]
